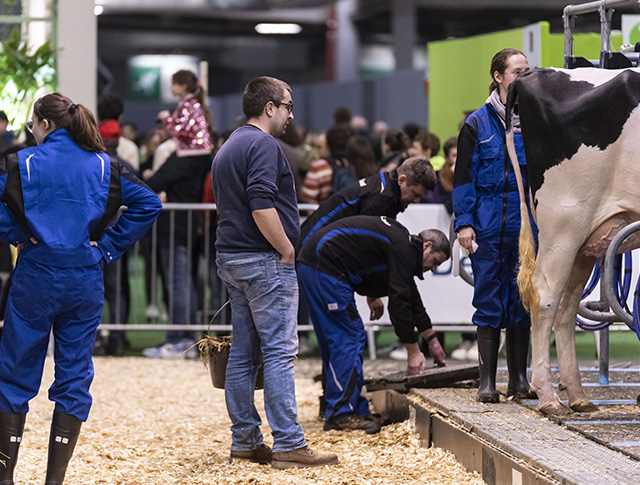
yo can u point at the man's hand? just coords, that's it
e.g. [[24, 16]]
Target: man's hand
[[416, 363], [269, 224], [435, 349], [377, 308], [466, 236]]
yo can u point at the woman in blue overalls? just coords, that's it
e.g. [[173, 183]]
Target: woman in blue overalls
[[60, 196], [487, 209]]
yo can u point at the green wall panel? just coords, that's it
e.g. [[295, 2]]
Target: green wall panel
[[459, 70]]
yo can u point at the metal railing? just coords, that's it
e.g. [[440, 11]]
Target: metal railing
[[199, 254], [608, 59]]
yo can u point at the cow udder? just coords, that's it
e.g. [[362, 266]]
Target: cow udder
[[597, 244]]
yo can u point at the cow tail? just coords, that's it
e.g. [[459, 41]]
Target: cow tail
[[528, 293]]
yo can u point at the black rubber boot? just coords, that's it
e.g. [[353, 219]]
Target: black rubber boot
[[488, 344], [517, 342], [116, 344], [62, 440], [323, 407], [11, 428]]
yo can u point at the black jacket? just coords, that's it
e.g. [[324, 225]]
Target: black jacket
[[377, 195], [378, 257], [182, 178]]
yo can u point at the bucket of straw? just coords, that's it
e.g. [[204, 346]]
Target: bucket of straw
[[215, 355], [214, 352]]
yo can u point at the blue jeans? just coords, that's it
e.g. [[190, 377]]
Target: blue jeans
[[185, 298], [264, 310]]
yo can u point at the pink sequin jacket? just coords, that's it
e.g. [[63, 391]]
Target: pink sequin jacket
[[189, 128]]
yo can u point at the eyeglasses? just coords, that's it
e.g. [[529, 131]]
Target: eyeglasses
[[30, 126], [288, 106]]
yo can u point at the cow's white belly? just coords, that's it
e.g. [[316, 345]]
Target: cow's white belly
[[585, 200]]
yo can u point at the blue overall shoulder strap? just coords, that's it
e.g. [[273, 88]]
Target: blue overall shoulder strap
[[12, 195], [114, 201]]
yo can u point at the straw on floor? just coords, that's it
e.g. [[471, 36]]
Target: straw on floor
[[162, 422]]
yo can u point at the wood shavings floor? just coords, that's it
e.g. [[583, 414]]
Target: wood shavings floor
[[162, 422]]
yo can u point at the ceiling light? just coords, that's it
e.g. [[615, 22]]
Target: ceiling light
[[98, 9], [278, 28]]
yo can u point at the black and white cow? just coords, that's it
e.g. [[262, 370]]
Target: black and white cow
[[581, 134]]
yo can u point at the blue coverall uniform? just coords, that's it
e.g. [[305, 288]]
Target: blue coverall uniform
[[373, 256], [485, 197], [63, 197]]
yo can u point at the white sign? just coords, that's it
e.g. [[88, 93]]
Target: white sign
[[446, 298], [532, 44], [630, 29], [167, 65]]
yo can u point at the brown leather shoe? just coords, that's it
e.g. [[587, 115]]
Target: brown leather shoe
[[262, 454], [302, 458]]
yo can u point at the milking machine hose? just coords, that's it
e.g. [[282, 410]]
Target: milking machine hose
[[620, 288], [610, 291]]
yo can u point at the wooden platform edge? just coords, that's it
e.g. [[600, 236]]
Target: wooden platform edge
[[495, 464]]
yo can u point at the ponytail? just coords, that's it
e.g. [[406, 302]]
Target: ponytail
[[199, 95], [84, 130], [75, 118]]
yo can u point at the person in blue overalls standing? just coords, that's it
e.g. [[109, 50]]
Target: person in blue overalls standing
[[59, 198], [487, 209]]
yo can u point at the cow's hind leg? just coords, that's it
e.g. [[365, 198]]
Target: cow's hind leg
[[541, 383], [565, 329], [552, 272]]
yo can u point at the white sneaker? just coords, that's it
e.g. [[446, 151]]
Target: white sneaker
[[188, 348], [165, 351], [460, 352], [472, 353], [152, 311], [399, 353]]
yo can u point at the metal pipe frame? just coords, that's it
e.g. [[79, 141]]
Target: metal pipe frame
[[591, 7], [596, 316], [607, 283], [605, 8]]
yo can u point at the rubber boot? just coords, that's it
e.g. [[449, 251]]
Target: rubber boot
[[323, 408], [116, 344], [11, 428], [488, 344], [517, 342], [62, 440]]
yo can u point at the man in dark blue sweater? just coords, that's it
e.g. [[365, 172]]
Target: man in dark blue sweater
[[255, 239]]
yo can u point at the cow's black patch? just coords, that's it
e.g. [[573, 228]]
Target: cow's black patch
[[558, 115]]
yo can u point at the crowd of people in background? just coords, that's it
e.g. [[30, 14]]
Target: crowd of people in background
[[174, 159], [357, 180]]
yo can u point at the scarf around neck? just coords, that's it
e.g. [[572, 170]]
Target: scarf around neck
[[494, 100]]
